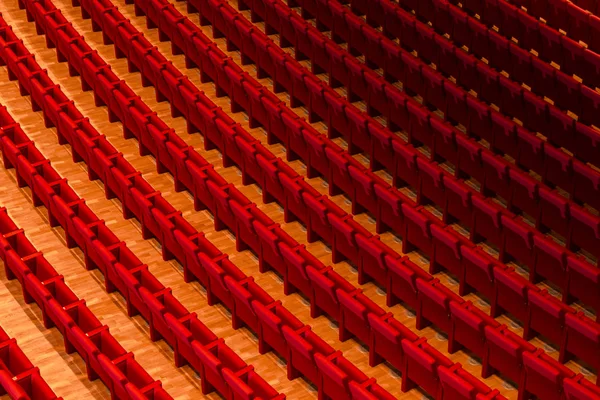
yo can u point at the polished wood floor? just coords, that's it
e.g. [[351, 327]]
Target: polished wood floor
[[66, 373]]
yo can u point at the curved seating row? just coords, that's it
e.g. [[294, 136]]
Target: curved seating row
[[19, 378], [104, 356], [502, 54], [522, 193], [219, 367], [551, 45], [372, 196], [98, 14], [333, 374]]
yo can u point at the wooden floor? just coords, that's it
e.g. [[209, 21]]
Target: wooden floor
[[66, 373]]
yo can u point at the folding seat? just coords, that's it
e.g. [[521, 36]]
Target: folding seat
[[458, 201], [550, 262], [354, 308], [457, 383], [551, 46], [502, 353], [480, 122], [456, 103], [461, 34], [377, 103], [512, 99], [402, 282], [521, 69], [344, 238], [385, 343], [479, 271], [480, 45], [419, 367], [568, 94], [584, 231], [502, 58], [333, 383], [594, 44], [558, 169], [586, 183], [442, 22], [510, 294], [242, 312], [518, 241], [561, 128], [294, 269], [509, 25], [536, 112], [573, 57], [504, 133], [581, 339], [427, 48], [489, 86], [590, 106], [416, 234], [388, 210], [583, 282], [556, 14], [371, 254], [213, 358], [323, 293], [486, 223], [578, 22], [426, 11], [407, 32], [216, 288], [434, 94], [530, 37], [524, 196], [446, 252], [495, 181], [399, 117], [317, 224], [553, 212], [448, 62], [544, 78], [589, 70], [529, 150], [586, 142], [545, 316], [269, 331], [431, 185], [468, 71], [444, 144], [540, 377], [300, 355], [412, 79], [433, 305], [466, 329], [339, 179], [419, 131]]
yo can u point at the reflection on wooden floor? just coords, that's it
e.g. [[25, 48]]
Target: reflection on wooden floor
[[66, 373]]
